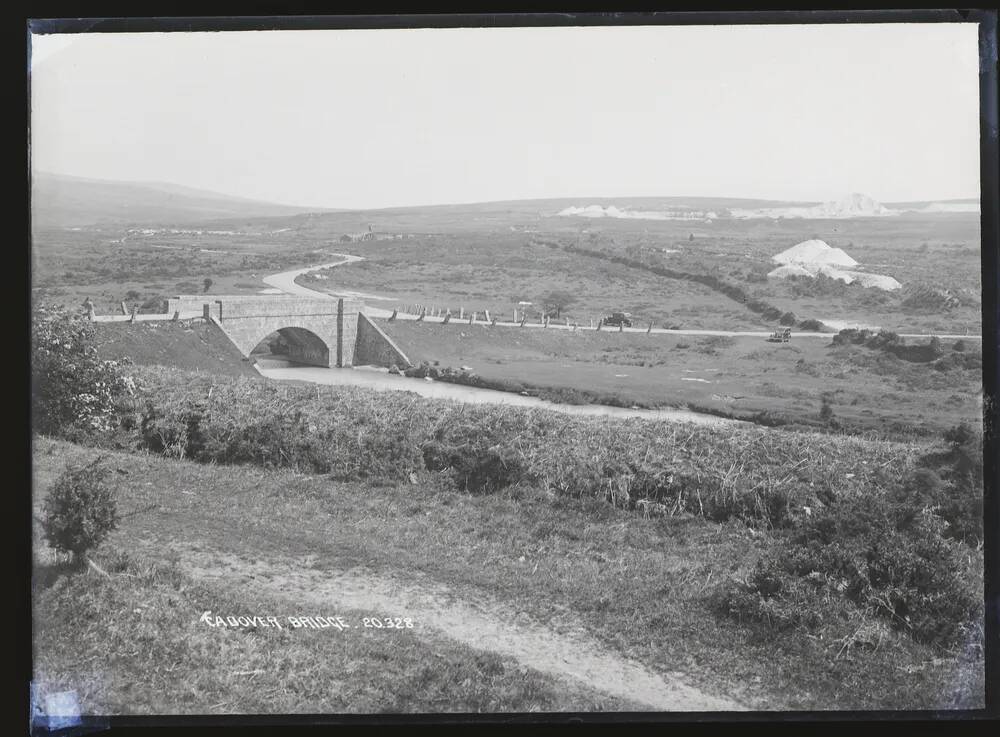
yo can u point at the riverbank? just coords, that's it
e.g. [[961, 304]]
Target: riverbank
[[381, 380]]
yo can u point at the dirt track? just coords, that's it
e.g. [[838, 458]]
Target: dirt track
[[484, 625]]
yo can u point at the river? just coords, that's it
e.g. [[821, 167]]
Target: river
[[381, 380]]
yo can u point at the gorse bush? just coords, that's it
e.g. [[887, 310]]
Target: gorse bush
[[80, 510], [274, 425], [811, 326], [892, 343], [892, 555], [951, 483], [482, 457], [73, 391], [764, 478]]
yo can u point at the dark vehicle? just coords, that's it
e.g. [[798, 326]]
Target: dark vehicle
[[618, 319]]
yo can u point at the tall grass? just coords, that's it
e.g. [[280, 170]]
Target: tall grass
[[762, 477]]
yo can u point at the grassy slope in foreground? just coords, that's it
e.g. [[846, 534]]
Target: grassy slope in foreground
[[639, 585], [133, 644]]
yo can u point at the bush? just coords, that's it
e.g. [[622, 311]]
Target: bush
[[73, 390], [788, 319], [760, 477], [478, 454], [280, 426], [811, 325], [958, 498], [80, 510], [893, 344], [883, 555]]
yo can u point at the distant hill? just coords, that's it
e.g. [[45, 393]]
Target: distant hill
[[59, 200]]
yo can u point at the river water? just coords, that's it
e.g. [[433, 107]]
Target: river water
[[380, 380]]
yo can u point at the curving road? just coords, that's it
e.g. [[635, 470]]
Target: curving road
[[285, 281]]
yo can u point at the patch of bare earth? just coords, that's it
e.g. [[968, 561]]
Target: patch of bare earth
[[484, 625]]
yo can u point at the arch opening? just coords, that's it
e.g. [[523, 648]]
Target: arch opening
[[291, 346]]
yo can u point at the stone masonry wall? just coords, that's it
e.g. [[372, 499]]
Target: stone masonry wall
[[375, 348]]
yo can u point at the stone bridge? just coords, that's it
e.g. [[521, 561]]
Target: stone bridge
[[319, 332]]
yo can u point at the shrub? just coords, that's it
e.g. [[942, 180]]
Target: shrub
[[73, 390], [885, 558], [788, 319], [80, 510], [481, 455], [811, 325], [959, 496], [760, 477]]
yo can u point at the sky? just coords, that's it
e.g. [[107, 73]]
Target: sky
[[382, 118]]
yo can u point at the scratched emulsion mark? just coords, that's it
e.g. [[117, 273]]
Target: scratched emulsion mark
[[54, 711]]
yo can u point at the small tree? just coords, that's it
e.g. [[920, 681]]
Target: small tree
[[208, 283], [554, 302], [80, 511]]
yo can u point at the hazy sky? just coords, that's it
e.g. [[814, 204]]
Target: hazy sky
[[375, 118]]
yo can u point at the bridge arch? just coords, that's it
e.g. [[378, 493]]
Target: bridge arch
[[294, 343]]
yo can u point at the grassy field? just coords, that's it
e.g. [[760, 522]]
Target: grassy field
[[496, 272], [491, 256], [495, 268], [142, 266], [742, 376], [641, 586]]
